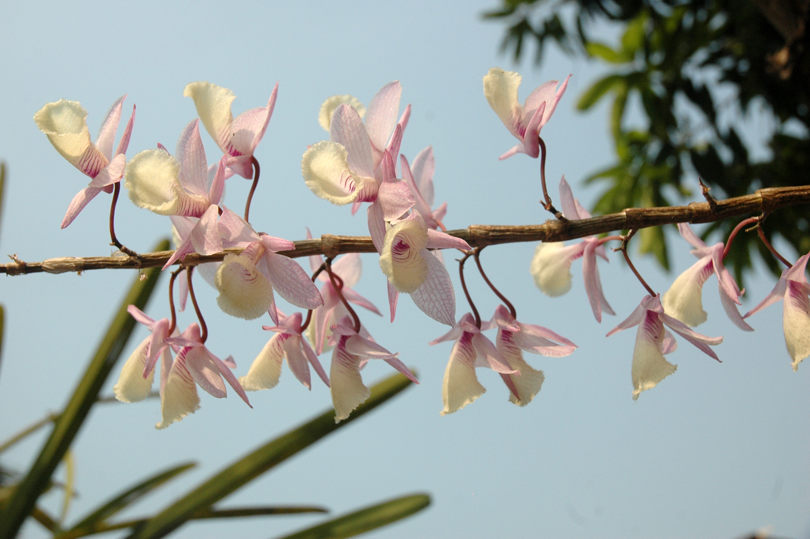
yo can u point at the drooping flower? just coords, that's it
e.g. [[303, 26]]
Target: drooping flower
[[288, 344], [348, 268], [653, 341], [194, 366], [236, 137], [470, 350], [351, 352], [551, 264], [135, 381], [683, 299], [411, 269], [65, 124], [515, 337], [794, 289], [523, 121]]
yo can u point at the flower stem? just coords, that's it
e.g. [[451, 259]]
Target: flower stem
[[771, 249], [623, 249], [204, 328], [318, 271], [461, 262], [113, 239], [256, 171], [736, 231], [547, 199], [506, 302], [173, 324], [337, 283]]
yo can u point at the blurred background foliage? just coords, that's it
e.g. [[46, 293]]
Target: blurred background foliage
[[695, 73]]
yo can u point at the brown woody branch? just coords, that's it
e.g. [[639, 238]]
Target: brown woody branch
[[764, 201]]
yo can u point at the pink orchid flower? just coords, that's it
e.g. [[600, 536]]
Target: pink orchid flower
[[288, 344], [65, 124], [523, 121], [653, 341], [351, 352], [411, 269], [551, 265], [349, 269], [683, 299], [355, 165], [237, 138], [194, 366], [794, 289], [470, 350], [513, 339]]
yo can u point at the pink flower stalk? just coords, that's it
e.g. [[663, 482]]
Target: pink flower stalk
[[513, 339], [351, 352], [194, 366], [683, 299], [65, 124], [653, 341], [349, 269], [523, 121], [470, 350], [288, 344], [412, 269], [794, 289], [237, 138], [551, 265]]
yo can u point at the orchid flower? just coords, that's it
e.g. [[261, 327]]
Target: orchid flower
[[135, 381], [287, 344], [351, 352], [355, 165], [194, 366], [410, 267], [471, 349], [523, 121], [349, 269], [237, 138], [683, 300], [514, 338], [420, 180], [653, 341], [65, 124], [551, 265], [794, 289]]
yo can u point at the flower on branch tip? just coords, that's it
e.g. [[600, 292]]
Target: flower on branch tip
[[348, 268], [287, 344], [551, 264], [470, 350], [412, 269], [683, 299], [523, 121], [65, 124], [794, 289], [513, 339], [653, 341], [194, 366], [236, 137], [351, 352]]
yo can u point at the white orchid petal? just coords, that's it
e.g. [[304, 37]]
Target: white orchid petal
[[265, 371], [649, 365], [501, 91], [64, 122], [213, 105], [179, 396], [460, 386], [329, 106], [132, 386], [325, 168], [529, 382], [683, 299], [243, 291], [152, 183], [348, 390], [402, 259], [796, 322], [551, 267]]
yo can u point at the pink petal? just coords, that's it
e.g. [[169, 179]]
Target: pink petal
[[353, 297], [78, 203], [436, 297], [109, 126], [205, 372], [393, 299], [276, 245], [123, 144], [376, 225], [424, 166], [442, 240], [593, 284], [348, 130], [218, 184], [249, 127], [297, 360], [348, 267], [395, 198], [776, 294], [381, 116], [225, 371], [313, 360], [191, 155], [488, 355], [291, 282]]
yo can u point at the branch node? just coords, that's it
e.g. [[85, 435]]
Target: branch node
[[704, 189]]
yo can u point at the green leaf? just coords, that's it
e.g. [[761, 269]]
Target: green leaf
[[68, 490], [600, 50], [261, 460], [131, 495], [366, 519], [633, 38], [617, 111], [84, 396], [599, 89]]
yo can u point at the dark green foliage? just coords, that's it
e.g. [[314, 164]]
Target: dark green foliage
[[695, 68]]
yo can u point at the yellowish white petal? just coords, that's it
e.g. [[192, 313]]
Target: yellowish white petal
[[325, 168], [649, 365], [152, 183], [402, 259], [460, 386], [329, 106], [265, 371], [683, 299], [180, 396], [64, 122], [214, 109], [530, 380], [796, 322], [501, 91], [243, 291], [132, 386], [551, 268], [348, 390]]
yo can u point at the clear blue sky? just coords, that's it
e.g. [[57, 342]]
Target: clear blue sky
[[714, 451]]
